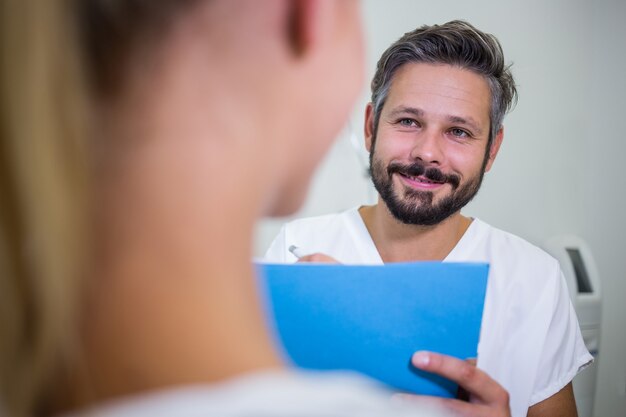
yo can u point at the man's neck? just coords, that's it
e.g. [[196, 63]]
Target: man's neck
[[399, 242]]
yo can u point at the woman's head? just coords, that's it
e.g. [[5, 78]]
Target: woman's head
[[238, 95]]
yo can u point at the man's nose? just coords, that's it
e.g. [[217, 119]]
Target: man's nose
[[428, 148]]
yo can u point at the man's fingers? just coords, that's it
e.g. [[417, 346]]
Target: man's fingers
[[462, 394], [318, 258], [480, 385]]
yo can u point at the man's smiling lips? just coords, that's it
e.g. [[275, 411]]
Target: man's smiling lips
[[420, 182]]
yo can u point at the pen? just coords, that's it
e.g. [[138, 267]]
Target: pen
[[296, 251]]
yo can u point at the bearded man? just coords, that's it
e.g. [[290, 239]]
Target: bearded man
[[433, 129]]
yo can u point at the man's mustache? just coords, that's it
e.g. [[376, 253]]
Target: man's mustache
[[419, 170]]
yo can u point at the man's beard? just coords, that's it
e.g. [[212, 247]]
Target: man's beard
[[416, 207]]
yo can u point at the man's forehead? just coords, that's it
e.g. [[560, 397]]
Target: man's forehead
[[440, 88]]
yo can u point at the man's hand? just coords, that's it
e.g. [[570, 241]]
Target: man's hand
[[318, 258], [487, 397]]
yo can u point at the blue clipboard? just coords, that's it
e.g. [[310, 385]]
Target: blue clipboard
[[371, 319]]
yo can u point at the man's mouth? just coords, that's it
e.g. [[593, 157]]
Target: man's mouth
[[421, 179]]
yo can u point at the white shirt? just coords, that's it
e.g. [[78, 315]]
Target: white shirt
[[275, 394], [530, 341]]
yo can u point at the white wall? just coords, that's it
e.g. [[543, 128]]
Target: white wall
[[561, 166], [604, 189]]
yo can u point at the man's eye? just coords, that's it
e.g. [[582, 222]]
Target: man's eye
[[407, 122], [459, 133]]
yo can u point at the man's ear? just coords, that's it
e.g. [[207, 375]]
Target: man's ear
[[495, 147], [368, 127], [308, 21]]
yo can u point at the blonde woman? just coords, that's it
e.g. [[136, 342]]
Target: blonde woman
[[140, 141]]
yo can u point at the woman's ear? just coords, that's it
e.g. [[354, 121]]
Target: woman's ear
[[308, 22]]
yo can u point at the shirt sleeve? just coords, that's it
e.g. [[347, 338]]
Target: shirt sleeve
[[277, 251], [564, 353]]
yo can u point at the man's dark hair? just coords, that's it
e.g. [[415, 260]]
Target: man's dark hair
[[455, 43]]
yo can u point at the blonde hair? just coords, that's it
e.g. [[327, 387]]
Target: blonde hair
[[43, 199], [57, 58]]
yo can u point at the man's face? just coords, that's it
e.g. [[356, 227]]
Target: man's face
[[429, 154]]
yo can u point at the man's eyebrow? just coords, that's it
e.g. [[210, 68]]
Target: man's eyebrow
[[406, 110], [417, 112]]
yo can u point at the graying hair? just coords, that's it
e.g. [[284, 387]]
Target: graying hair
[[455, 43]]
